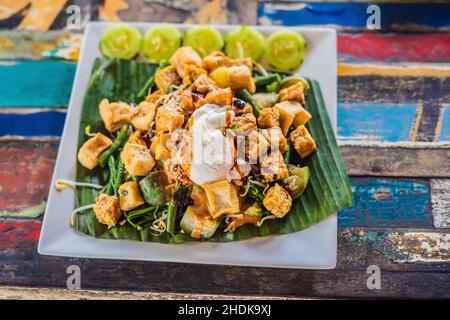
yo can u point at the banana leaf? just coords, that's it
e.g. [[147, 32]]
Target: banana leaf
[[327, 192]]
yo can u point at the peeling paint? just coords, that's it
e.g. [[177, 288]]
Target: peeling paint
[[108, 11], [41, 14], [30, 212]]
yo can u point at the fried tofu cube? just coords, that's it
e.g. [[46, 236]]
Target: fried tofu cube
[[278, 201], [222, 198], [137, 159], [137, 138], [245, 122], [269, 117], [143, 116], [166, 78], [235, 77], [214, 60], [276, 139], [220, 97], [130, 196], [256, 146], [294, 92], [154, 96], [273, 167], [91, 149], [107, 209], [158, 147], [291, 112], [185, 56], [115, 114], [168, 119], [203, 84], [303, 142], [191, 73]]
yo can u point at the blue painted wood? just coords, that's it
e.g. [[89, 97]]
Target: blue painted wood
[[444, 134], [398, 203], [375, 121], [47, 123], [36, 83], [354, 14]]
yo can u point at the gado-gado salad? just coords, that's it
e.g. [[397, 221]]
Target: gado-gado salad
[[203, 135]]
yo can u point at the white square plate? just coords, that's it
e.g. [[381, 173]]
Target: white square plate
[[313, 248]]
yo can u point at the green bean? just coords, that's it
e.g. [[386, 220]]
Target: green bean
[[119, 174], [245, 95], [143, 92], [110, 189], [171, 216], [287, 155], [118, 142], [264, 80]]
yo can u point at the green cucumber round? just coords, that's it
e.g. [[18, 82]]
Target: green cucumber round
[[203, 39], [160, 42], [285, 50], [244, 42], [121, 41]]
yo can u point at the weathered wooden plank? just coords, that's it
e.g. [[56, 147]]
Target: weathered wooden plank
[[391, 47], [23, 293], [396, 160], [443, 124], [354, 16], [25, 172], [398, 90], [382, 202], [440, 202], [394, 70], [357, 250], [375, 121], [35, 83], [38, 45], [46, 123]]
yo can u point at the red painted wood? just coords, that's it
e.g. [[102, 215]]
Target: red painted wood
[[19, 236], [395, 47], [25, 172]]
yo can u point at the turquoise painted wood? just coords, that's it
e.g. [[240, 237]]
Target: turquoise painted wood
[[383, 202], [36, 83], [375, 121]]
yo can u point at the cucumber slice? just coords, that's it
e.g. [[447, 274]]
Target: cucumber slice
[[244, 42], [203, 39], [121, 41], [198, 226], [160, 42], [285, 50]]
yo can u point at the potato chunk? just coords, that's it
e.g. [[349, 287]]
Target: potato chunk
[[294, 92], [273, 167], [276, 139], [278, 201], [137, 159], [158, 148], [143, 116], [107, 209], [222, 198], [114, 114], [166, 78], [303, 142], [269, 117], [168, 119], [291, 112], [220, 97], [130, 196], [185, 56], [91, 149], [218, 59], [235, 77]]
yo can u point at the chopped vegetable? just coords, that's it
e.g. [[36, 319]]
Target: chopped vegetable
[[285, 50], [121, 41], [152, 189], [160, 42], [244, 42], [198, 225], [266, 79], [297, 181]]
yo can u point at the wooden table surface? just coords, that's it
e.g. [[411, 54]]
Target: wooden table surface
[[393, 130]]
